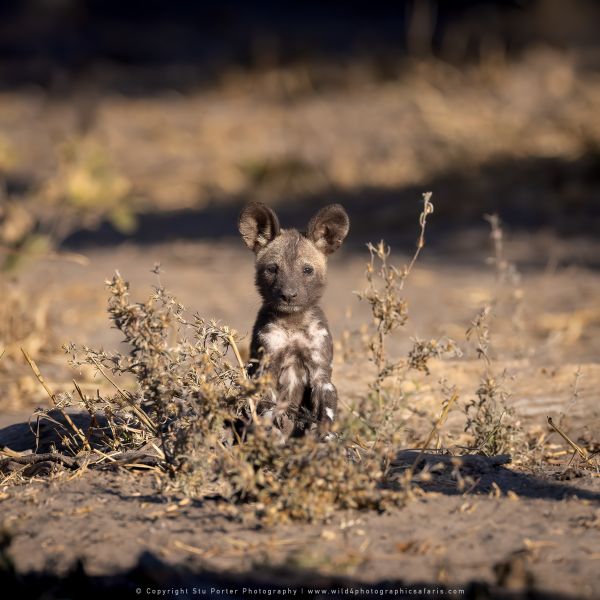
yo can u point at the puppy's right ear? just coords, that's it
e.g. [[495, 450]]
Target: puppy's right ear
[[258, 225]]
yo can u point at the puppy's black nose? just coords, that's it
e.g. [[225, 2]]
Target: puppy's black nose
[[288, 295]]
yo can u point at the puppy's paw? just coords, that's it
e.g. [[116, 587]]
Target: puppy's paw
[[282, 421], [328, 436]]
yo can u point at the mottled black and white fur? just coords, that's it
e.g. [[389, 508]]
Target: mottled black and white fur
[[291, 338]]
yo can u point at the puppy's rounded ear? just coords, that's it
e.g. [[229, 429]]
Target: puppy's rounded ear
[[328, 228], [258, 225]]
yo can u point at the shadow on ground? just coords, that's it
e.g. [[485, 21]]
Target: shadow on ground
[[46, 432], [560, 196], [485, 473], [152, 576]]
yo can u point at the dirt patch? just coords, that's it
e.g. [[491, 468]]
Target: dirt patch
[[514, 528], [547, 538]]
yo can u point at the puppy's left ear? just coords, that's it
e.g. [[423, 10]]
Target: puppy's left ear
[[328, 228]]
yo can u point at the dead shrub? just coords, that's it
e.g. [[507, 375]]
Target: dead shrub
[[190, 386], [186, 386], [380, 410], [306, 480], [493, 426]]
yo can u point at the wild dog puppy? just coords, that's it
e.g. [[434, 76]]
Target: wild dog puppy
[[291, 337]]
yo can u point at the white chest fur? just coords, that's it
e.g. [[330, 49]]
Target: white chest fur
[[276, 339]]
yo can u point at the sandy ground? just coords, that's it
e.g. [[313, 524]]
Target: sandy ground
[[517, 529]]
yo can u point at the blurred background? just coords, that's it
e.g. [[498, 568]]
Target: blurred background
[[132, 131], [117, 117]]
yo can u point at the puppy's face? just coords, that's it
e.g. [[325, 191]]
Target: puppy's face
[[291, 267], [290, 272]]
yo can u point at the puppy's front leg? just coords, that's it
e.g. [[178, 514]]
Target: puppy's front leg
[[290, 390], [324, 402]]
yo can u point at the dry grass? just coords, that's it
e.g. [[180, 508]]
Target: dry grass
[[380, 410], [19, 325], [85, 189], [493, 426]]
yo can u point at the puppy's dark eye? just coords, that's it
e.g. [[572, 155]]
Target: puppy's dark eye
[[308, 270], [271, 269]]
